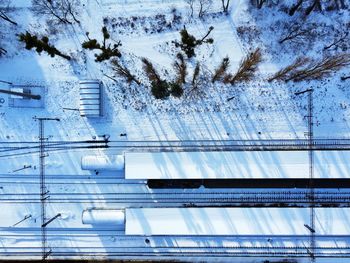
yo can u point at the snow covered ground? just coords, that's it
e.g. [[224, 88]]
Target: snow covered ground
[[252, 110]]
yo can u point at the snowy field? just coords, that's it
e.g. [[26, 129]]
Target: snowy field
[[256, 109]]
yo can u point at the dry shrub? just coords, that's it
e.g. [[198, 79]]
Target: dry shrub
[[281, 74], [195, 90], [150, 71], [320, 69], [180, 68], [247, 68], [221, 70], [124, 72]]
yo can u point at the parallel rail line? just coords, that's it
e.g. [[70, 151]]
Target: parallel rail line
[[9, 149], [190, 199]]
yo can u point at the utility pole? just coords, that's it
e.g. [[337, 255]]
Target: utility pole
[[311, 173], [43, 189], [311, 227]]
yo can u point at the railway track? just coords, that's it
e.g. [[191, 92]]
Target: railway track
[[173, 199], [270, 251], [232, 145], [9, 149], [170, 246], [13, 149]]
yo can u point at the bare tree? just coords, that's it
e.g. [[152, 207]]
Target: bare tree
[[2, 51], [4, 10], [225, 5], [295, 31], [337, 41], [5, 17], [315, 5], [191, 5], [339, 4], [295, 7], [124, 72], [60, 11], [204, 6], [258, 3]]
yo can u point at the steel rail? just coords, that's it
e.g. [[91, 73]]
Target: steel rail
[[182, 253]]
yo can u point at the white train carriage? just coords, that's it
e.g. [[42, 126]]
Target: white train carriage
[[223, 165], [102, 162], [105, 217], [236, 165], [222, 221]]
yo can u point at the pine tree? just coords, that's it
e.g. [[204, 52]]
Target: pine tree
[[58, 11], [176, 89], [40, 45], [189, 42], [160, 89], [107, 51]]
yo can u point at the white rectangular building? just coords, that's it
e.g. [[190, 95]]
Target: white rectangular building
[[235, 165], [235, 221]]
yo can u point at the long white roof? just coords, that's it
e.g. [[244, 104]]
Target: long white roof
[[235, 221], [260, 164]]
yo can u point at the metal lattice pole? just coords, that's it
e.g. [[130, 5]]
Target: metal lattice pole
[[42, 189], [311, 226], [311, 175]]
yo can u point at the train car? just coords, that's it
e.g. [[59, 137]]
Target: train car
[[223, 221], [236, 165], [104, 217], [250, 169], [102, 162]]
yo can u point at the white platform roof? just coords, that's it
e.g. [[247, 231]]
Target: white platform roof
[[201, 165], [235, 221]]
